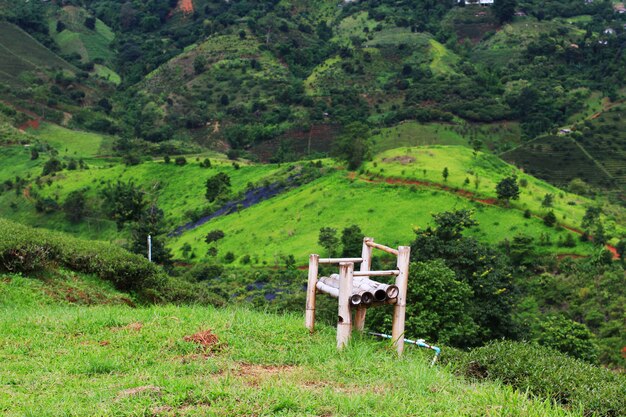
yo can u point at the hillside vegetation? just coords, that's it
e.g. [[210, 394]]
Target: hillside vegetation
[[108, 360]]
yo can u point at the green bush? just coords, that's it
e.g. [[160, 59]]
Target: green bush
[[24, 249], [545, 373]]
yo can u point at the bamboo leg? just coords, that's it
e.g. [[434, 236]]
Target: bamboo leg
[[366, 265], [399, 310], [344, 321], [310, 292]]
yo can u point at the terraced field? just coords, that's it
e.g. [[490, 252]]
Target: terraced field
[[19, 52]]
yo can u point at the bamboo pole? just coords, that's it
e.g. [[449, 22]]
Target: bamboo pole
[[310, 292], [399, 310], [363, 273], [339, 260], [344, 322], [383, 248], [366, 265]]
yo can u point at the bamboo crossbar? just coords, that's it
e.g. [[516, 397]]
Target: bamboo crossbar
[[339, 260], [376, 273], [382, 247]]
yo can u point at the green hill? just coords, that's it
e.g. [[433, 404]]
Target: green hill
[[21, 53], [113, 360]]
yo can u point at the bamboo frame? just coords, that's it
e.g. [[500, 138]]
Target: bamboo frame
[[399, 311], [366, 265], [343, 287], [339, 260], [311, 290], [376, 273], [344, 320], [382, 247]]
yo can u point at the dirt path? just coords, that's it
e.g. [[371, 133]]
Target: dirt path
[[470, 196]]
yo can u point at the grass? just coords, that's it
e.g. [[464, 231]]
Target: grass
[[16, 162], [113, 360], [76, 38], [442, 59], [427, 163], [181, 189], [107, 73], [74, 143], [289, 223]]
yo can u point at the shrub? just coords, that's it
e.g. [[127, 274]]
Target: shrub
[[23, 249], [180, 160], [546, 373]]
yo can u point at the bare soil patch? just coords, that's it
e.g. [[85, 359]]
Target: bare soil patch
[[207, 341], [404, 160]]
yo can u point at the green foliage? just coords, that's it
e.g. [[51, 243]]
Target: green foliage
[[123, 201], [214, 236], [75, 206], [180, 160], [504, 9], [482, 268], [151, 223], [327, 239], [352, 146], [351, 241], [548, 374], [438, 306], [569, 337], [549, 219], [51, 166], [508, 189], [24, 250], [218, 186]]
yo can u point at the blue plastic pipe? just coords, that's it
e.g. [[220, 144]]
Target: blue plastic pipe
[[418, 342]]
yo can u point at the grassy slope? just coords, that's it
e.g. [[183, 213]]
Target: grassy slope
[[182, 188], [106, 360], [290, 223], [19, 52], [410, 163], [495, 136], [74, 143], [76, 38]]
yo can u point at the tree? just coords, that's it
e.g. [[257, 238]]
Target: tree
[[507, 189], [445, 173], [90, 23], [352, 241], [438, 305], [60, 26], [199, 64], [504, 10], [548, 200], [549, 219], [217, 186], [485, 270], [599, 236], [51, 166], [123, 202], [151, 223], [75, 206], [328, 240], [476, 145], [592, 215], [352, 146], [214, 236]]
